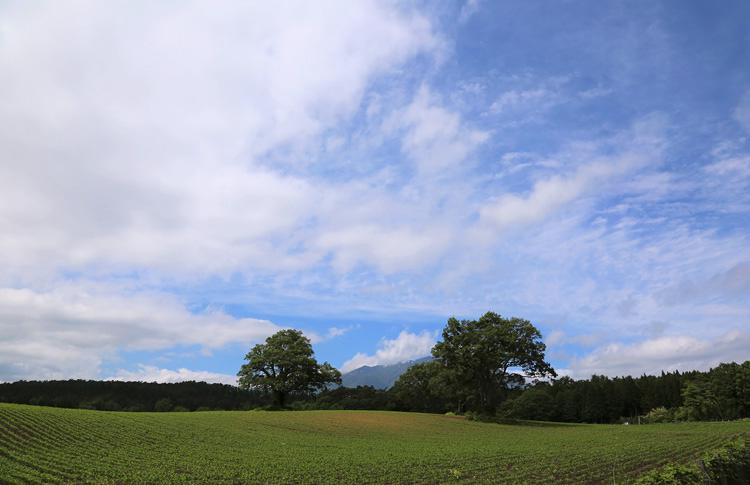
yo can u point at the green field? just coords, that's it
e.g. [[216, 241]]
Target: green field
[[39, 444]]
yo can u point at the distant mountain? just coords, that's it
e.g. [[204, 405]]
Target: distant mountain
[[378, 376]]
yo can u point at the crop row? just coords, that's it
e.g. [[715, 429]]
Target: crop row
[[62, 445]]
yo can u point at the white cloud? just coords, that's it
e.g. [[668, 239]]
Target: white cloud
[[733, 284], [594, 171], [595, 92], [389, 249], [674, 352], [148, 373], [144, 134], [406, 346], [558, 337], [555, 338], [163, 143], [526, 98], [334, 332], [436, 138], [546, 196], [71, 330], [468, 10], [731, 167]]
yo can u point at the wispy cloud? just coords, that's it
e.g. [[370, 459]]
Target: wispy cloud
[[742, 111], [366, 161]]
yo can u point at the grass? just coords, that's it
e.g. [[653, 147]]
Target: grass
[[39, 444]]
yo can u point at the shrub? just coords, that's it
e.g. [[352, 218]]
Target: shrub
[[672, 475], [659, 415], [681, 414], [729, 464]]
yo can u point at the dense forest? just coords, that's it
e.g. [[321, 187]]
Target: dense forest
[[719, 394], [131, 396]]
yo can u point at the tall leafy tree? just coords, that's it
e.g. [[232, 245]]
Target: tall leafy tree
[[285, 364], [491, 354]]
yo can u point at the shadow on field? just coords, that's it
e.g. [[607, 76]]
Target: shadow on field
[[521, 422]]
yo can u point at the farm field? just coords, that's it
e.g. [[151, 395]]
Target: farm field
[[39, 444]]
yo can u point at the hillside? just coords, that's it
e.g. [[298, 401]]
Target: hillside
[[43, 445], [378, 376]]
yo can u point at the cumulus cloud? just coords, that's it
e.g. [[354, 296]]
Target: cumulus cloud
[[71, 330], [149, 373], [674, 352], [143, 134], [406, 346]]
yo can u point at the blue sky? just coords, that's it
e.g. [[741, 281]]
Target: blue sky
[[180, 180]]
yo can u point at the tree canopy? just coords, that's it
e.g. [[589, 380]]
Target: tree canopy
[[285, 364], [491, 354]]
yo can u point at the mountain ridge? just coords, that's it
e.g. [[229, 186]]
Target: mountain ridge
[[379, 376]]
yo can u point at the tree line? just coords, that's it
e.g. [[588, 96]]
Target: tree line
[[131, 396], [721, 393], [492, 367]]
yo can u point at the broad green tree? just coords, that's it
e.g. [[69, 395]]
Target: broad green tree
[[491, 354], [285, 364], [429, 387], [701, 403]]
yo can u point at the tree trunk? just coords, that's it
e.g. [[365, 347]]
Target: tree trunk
[[486, 401]]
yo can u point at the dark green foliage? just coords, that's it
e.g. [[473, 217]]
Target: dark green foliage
[[534, 404], [163, 405], [430, 387], [360, 397], [285, 364], [723, 393], [720, 394]]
